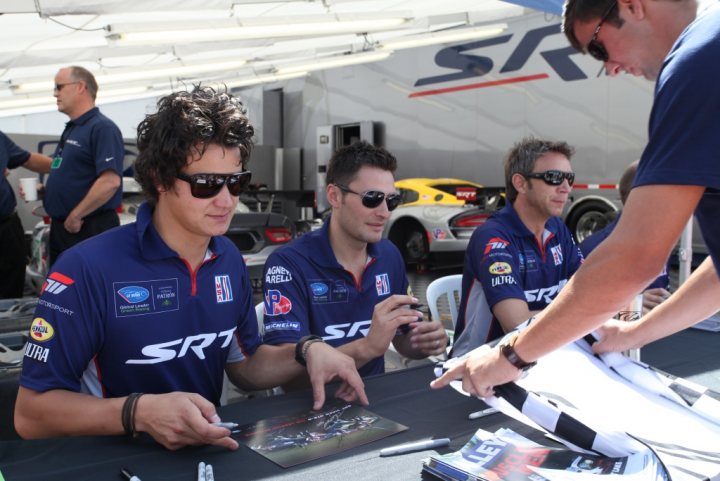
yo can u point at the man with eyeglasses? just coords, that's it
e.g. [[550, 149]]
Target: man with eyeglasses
[[519, 260], [137, 325], [676, 43], [343, 284], [84, 188]]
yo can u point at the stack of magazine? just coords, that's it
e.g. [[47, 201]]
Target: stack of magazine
[[508, 456]]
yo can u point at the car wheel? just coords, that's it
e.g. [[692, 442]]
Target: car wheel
[[415, 247], [587, 219]]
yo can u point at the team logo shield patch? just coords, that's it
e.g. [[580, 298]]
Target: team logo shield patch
[[223, 289], [382, 284], [557, 255]]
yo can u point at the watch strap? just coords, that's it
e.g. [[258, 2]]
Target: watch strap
[[508, 350], [302, 346]]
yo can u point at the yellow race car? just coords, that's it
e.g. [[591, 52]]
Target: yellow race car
[[436, 218]]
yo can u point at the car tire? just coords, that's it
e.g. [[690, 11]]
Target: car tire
[[588, 218], [415, 247]]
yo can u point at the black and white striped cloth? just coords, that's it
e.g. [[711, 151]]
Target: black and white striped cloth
[[615, 406]]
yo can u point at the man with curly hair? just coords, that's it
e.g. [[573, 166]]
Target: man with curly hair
[[136, 326]]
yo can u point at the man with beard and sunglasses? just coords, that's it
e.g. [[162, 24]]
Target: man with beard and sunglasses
[[137, 325], [520, 259], [676, 43], [343, 283]]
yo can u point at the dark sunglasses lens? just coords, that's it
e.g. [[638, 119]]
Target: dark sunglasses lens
[[556, 177], [204, 186], [372, 199], [597, 51], [237, 183], [393, 200]]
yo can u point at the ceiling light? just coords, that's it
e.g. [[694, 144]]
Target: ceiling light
[[281, 29], [336, 61], [259, 79], [448, 36]]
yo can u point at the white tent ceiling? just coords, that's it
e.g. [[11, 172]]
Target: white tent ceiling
[[232, 41]]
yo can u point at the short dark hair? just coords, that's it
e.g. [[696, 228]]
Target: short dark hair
[[626, 181], [523, 155], [182, 128], [81, 74], [584, 11], [347, 161]]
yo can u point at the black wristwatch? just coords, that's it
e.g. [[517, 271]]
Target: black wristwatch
[[302, 347], [507, 350]]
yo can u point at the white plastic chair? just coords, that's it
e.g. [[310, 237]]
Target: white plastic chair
[[446, 286], [260, 314]]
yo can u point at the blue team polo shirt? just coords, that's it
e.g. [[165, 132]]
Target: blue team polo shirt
[[89, 145], [504, 261], [308, 292], [122, 313], [684, 140], [589, 244], [11, 157]]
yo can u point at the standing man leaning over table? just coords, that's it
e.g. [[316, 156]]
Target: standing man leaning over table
[[520, 259], [163, 305], [677, 43], [84, 188], [344, 283]]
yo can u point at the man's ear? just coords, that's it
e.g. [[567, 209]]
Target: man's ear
[[632, 8], [334, 195], [519, 182]]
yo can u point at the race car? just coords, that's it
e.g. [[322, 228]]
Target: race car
[[436, 218]]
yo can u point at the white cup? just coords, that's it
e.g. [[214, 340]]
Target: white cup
[[29, 187]]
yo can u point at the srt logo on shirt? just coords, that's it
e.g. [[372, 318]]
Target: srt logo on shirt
[[56, 283], [347, 330], [177, 348], [495, 243], [276, 304], [544, 294]]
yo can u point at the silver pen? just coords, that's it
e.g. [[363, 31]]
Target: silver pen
[[226, 425], [483, 413], [416, 446]]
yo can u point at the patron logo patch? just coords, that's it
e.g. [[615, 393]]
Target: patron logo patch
[[137, 298]]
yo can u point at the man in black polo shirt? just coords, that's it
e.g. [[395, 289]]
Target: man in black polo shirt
[[13, 254], [85, 184]]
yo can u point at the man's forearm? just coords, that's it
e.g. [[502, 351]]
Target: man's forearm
[[101, 191], [65, 413], [697, 299], [270, 366]]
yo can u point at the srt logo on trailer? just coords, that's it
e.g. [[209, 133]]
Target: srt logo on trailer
[[467, 66]]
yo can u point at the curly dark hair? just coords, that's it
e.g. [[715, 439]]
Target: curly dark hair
[[348, 160], [182, 128]]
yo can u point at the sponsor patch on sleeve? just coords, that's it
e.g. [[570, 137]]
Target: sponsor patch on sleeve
[[500, 268]]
